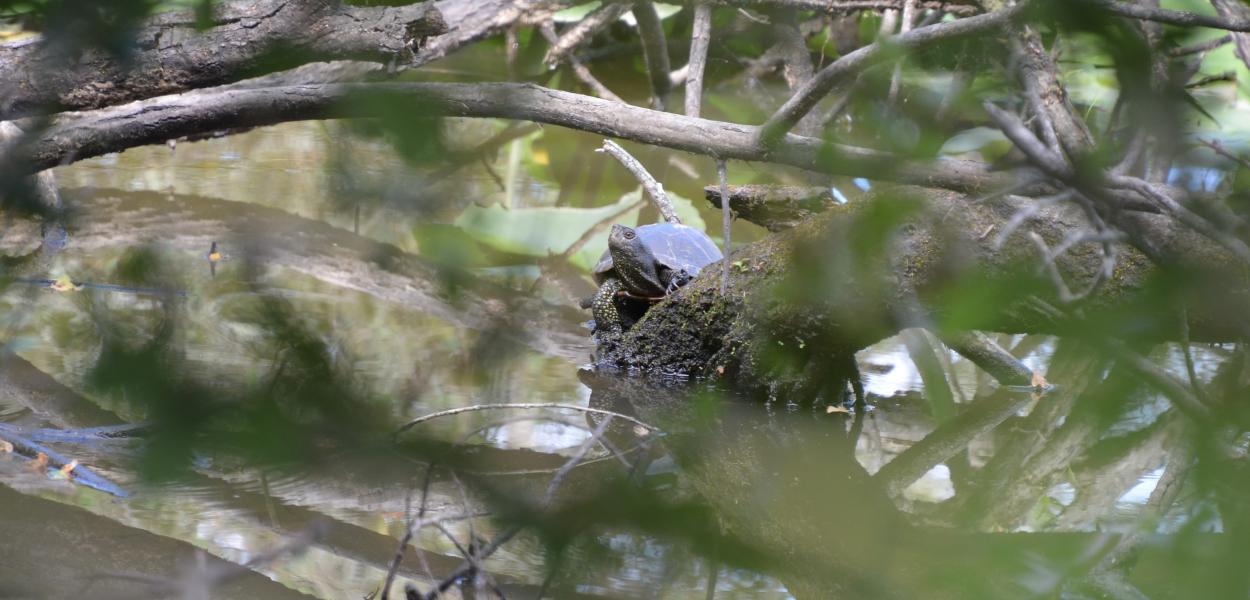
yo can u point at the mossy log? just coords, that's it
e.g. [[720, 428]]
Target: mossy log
[[905, 257], [773, 207]]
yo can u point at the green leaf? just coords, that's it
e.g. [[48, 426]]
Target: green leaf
[[540, 231]]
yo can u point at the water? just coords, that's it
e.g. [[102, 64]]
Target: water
[[302, 234]]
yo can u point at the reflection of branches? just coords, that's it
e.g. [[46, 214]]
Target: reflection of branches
[[1114, 465], [1110, 573], [470, 568], [202, 578], [951, 437], [413, 525]]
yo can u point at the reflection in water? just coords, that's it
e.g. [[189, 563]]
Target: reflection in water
[[765, 499]]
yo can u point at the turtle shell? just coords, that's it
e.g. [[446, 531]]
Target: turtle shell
[[674, 246]]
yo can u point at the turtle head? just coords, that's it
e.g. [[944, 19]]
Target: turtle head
[[623, 238], [634, 262], [626, 246]]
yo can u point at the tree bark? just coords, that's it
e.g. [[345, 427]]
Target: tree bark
[[775, 208], [247, 39]]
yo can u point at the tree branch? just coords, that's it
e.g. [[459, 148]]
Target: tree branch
[[579, 68], [582, 31], [856, 62], [653, 187], [250, 38], [700, 38], [75, 136], [1171, 17], [1236, 10], [654, 51]]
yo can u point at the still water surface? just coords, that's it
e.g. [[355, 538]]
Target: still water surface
[[292, 230]]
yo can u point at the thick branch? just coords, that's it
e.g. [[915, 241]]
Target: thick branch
[[249, 39], [76, 136], [655, 51], [700, 38], [775, 208]]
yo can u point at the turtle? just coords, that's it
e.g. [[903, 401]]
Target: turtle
[[645, 265]]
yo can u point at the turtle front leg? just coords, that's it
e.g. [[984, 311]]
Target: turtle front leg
[[679, 278], [603, 306]]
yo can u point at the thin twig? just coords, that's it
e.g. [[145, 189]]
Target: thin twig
[[1210, 79], [467, 568], [1156, 193], [585, 29], [1065, 294], [521, 406], [1200, 47], [722, 173], [1189, 355], [654, 188], [851, 64], [1219, 149], [577, 457], [580, 70]]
